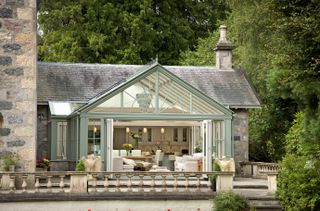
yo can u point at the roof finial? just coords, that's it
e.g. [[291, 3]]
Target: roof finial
[[157, 58]]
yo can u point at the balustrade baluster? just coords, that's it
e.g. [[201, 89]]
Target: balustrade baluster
[[49, 184], [175, 183], [37, 184], [24, 183], [153, 183], [12, 185], [129, 183], [117, 182], [164, 183], [198, 182], [141, 183], [61, 184], [187, 182], [94, 183], [106, 183]]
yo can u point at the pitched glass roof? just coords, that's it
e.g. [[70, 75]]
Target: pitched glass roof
[[154, 90]]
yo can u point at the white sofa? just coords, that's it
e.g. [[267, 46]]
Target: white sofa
[[119, 165], [189, 163]]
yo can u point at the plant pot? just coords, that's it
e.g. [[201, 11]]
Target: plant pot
[[12, 168]]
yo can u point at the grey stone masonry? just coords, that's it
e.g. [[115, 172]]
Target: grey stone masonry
[[14, 71], [18, 80], [240, 137], [5, 13]]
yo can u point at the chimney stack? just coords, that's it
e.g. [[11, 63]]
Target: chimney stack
[[223, 50]]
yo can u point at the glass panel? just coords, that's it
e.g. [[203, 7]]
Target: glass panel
[[62, 140], [63, 108], [94, 141], [184, 134], [172, 97], [175, 134], [219, 129], [141, 98], [149, 135], [111, 105], [137, 98]]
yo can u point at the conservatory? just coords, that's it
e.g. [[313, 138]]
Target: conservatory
[[153, 110]]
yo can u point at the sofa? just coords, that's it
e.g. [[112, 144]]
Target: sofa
[[188, 163], [118, 164]]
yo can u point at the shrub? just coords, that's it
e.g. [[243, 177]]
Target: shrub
[[299, 177], [229, 201], [80, 165]]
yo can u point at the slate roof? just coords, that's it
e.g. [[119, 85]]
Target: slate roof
[[81, 82]]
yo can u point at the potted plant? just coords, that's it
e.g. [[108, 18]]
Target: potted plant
[[80, 165], [43, 163], [10, 162], [127, 147], [198, 149]]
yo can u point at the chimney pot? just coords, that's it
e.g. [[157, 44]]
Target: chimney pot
[[223, 50], [223, 33]]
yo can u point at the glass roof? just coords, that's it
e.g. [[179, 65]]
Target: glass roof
[[63, 108], [156, 93]]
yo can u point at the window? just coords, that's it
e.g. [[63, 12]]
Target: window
[[149, 135], [94, 142], [62, 140], [184, 134], [140, 132], [175, 134]]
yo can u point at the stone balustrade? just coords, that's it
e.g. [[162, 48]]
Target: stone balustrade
[[265, 168], [101, 182], [258, 169]]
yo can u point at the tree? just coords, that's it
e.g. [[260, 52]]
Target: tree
[[124, 31], [251, 28]]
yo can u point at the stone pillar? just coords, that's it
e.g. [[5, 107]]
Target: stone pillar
[[240, 137], [272, 182], [79, 183], [224, 182], [18, 80]]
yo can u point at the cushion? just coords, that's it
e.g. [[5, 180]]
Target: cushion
[[197, 156], [129, 162]]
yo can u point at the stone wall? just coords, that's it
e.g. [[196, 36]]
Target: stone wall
[[240, 137], [18, 80]]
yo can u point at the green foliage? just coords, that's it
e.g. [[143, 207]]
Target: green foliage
[[299, 178], [203, 55], [9, 160], [215, 167], [198, 149], [230, 201], [124, 31], [80, 165]]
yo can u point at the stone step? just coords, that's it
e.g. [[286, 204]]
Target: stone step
[[264, 203], [245, 186]]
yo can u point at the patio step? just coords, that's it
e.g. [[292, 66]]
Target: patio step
[[243, 186], [256, 191], [264, 203]]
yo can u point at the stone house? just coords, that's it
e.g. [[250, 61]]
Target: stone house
[[96, 108]]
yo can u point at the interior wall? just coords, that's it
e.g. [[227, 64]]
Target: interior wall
[[159, 141]]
